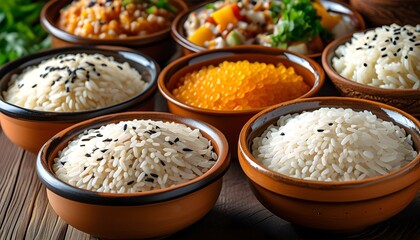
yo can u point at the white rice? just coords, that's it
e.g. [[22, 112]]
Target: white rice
[[386, 57], [134, 156], [73, 83], [333, 144]]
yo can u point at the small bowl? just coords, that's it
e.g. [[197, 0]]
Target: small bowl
[[179, 34], [30, 129], [407, 100], [334, 206], [230, 122], [150, 214], [160, 46], [385, 12]]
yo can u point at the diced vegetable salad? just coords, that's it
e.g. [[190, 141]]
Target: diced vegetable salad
[[302, 26]]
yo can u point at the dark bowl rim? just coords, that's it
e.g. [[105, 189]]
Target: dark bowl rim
[[47, 16], [181, 40], [125, 53], [329, 53], [44, 171], [244, 151], [244, 49]]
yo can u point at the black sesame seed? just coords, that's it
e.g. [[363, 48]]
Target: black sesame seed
[[395, 54], [370, 47], [409, 33], [67, 89], [359, 48], [187, 150], [130, 182], [99, 135], [116, 140], [107, 140], [82, 145], [90, 64], [411, 40], [149, 180], [20, 85], [154, 175], [320, 130], [94, 150], [417, 44], [125, 127], [282, 134], [112, 157], [87, 155], [98, 74], [387, 40], [33, 86], [119, 67], [176, 140], [85, 139], [365, 44], [171, 143], [395, 43], [399, 49], [98, 58], [63, 163], [99, 159], [365, 64], [212, 160], [411, 49], [385, 55], [406, 57], [397, 38], [383, 49], [67, 81], [104, 150], [84, 168], [52, 84], [162, 162], [104, 65], [330, 124]]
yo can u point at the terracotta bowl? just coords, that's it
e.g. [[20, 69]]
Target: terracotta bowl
[[150, 214], [405, 99], [30, 129], [230, 122], [179, 34], [386, 12], [160, 46], [334, 206]]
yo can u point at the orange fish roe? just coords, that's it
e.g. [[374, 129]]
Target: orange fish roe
[[240, 85]]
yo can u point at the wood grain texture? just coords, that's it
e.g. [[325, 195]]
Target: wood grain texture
[[25, 213]]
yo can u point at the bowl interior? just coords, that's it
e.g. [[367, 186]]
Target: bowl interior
[[179, 33], [259, 123], [51, 12], [311, 72], [147, 67], [59, 141]]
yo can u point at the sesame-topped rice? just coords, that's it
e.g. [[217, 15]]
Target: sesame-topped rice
[[386, 57], [135, 156], [73, 83]]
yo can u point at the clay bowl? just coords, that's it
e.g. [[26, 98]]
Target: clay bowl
[[230, 122], [385, 12], [333, 206], [30, 129], [140, 215], [405, 99], [160, 46], [179, 34]]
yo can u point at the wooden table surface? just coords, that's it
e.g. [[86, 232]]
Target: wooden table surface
[[26, 214]]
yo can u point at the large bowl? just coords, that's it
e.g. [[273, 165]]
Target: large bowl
[[179, 34], [230, 122], [160, 46], [405, 99], [141, 215], [334, 206], [30, 129]]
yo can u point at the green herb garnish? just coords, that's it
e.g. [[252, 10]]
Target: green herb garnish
[[20, 30], [299, 22]]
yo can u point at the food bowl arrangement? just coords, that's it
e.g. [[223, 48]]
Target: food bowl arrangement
[[332, 163], [194, 87], [219, 24], [386, 68], [43, 93], [116, 23], [162, 174]]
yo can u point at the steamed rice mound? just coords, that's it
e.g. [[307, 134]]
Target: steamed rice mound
[[74, 83], [134, 156], [386, 57], [333, 144]]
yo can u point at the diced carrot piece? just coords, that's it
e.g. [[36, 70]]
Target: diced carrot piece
[[201, 35], [327, 20], [224, 16]]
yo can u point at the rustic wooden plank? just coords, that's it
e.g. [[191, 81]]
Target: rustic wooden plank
[[73, 233]]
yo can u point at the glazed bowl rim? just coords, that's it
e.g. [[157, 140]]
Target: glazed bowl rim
[[36, 115], [181, 40], [59, 187], [231, 51], [329, 53], [47, 17], [245, 152]]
